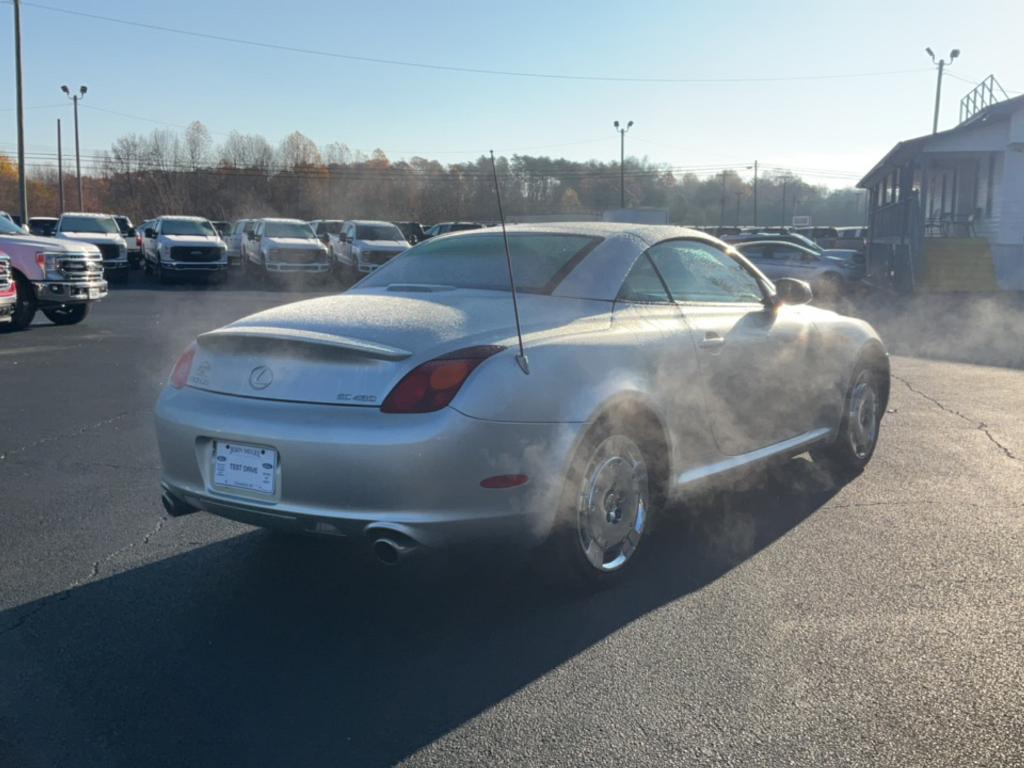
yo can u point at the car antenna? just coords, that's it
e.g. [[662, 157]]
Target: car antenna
[[524, 362]]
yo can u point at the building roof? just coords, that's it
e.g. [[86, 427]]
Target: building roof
[[904, 150]]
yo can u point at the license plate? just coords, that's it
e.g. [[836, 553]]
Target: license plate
[[94, 293], [246, 467]]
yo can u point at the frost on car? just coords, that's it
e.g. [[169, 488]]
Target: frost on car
[[659, 361]]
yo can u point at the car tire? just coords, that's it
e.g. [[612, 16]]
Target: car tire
[[858, 431], [607, 506], [25, 307], [68, 314]]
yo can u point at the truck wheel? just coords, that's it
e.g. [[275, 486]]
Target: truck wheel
[[68, 314], [25, 308]]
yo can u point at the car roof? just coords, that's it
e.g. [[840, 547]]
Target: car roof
[[87, 215], [292, 221], [42, 218], [183, 218], [647, 233], [770, 241], [368, 221]]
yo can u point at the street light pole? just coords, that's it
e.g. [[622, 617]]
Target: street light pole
[[941, 64], [60, 168], [738, 208], [622, 161], [78, 153], [721, 210], [22, 182]]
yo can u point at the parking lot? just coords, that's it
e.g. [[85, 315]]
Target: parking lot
[[797, 622]]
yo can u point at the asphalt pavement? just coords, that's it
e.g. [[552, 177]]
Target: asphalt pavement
[[796, 622]]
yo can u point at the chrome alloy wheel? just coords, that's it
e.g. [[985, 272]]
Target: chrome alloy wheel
[[611, 511], [862, 415]]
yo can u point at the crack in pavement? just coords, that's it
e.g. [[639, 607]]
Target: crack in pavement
[[75, 432], [978, 425], [94, 572]]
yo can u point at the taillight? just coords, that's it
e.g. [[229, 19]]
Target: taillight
[[138, 241], [182, 368], [432, 385]]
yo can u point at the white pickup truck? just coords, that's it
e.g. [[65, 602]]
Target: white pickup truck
[[183, 245], [365, 245], [281, 246], [60, 277], [100, 230]]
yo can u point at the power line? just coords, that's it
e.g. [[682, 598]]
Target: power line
[[463, 69]]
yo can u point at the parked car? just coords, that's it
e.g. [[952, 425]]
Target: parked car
[[451, 226], [285, 246], [365, 245], [831, 274], [412, 230], [777, 236], [236, 239], [8, 290], [60, 277], [132, 240], [183, 245], [328, 232], [101, 230], [656, 361], [42, 226]]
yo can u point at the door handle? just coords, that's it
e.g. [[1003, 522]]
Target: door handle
[[712, 340]]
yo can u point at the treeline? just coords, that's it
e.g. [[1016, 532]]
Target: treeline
[[245, 176]]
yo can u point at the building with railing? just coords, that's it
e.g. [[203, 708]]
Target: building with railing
[[946, 211]]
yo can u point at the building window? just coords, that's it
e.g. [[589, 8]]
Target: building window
[[990, 187]]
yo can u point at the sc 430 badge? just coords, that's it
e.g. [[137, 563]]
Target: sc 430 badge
[[348, 397]]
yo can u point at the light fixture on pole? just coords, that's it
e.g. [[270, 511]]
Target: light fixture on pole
[[22, 181], [941, 64], [622, 161], [75, 97]]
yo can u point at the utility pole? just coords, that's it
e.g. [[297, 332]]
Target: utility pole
[[738, 194], [22, 181], [75, 97], [784, 183], [60, 168], [622, 161], [755, 193], [721, 210], [941, 63]]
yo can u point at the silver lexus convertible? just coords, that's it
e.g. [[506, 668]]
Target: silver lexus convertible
[[656, 359]]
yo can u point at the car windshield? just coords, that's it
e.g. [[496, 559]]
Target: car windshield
[[124, 224], [378, 232], [42, 227], [199, 227], [8, 227], [329, 227], [296, 229], [539, 261], [93, 225]]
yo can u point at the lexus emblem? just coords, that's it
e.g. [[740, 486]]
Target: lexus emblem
[[261, 377]]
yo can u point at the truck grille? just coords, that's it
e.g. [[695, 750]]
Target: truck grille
[[298, 256], [109, 252], [378, 257], [81, 270], [197, 253], [5, 275]]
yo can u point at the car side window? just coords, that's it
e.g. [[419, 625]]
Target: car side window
[[642, 284], [697, 271], [791, 255], [755, 252]]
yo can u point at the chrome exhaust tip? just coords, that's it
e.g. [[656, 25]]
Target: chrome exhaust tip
[[392, 552]]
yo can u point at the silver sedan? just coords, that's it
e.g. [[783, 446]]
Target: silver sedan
[[656, 360]]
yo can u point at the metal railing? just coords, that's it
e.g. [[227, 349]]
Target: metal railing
[[985, 94]]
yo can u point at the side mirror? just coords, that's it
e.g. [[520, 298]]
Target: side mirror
[[789, 290], [342, 238], [251, 235], [150, 232]]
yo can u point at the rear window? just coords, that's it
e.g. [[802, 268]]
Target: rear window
[[539, 262], [295, 229]]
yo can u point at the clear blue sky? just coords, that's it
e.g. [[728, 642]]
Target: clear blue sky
[[837, 125]]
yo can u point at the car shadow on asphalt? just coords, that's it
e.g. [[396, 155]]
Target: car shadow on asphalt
[[259, 650], [234, 281]]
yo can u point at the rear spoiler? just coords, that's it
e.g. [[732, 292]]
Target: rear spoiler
[[295, 336]]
